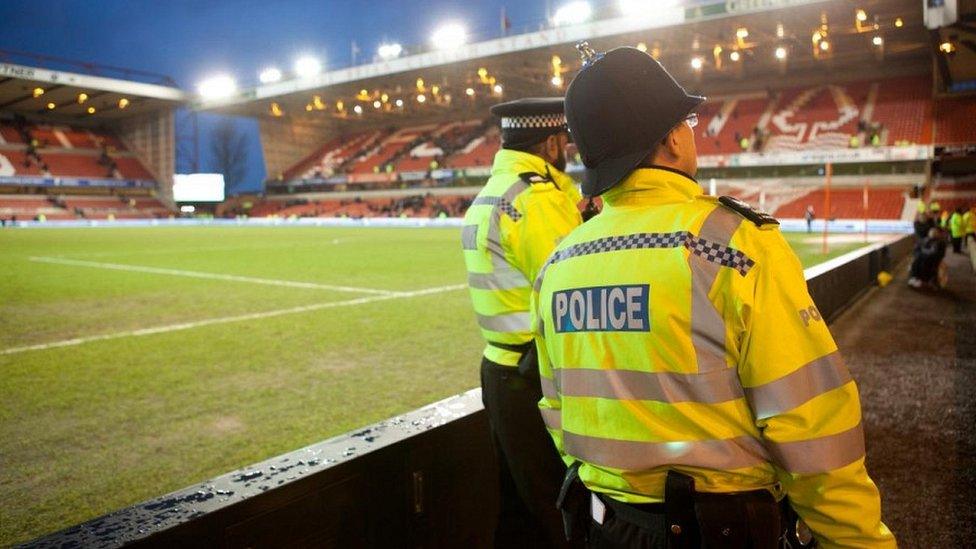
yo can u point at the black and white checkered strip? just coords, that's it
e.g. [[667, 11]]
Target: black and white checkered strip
[[710, 251], [533, 121], [502, 204], [717, 253]]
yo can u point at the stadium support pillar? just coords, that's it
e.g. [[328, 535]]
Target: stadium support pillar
[[828, 171]]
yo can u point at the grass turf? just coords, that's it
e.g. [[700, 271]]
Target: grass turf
[[90, 428]]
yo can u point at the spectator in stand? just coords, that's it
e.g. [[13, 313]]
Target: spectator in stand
[[928, 257], [957, 229], [810, 216]]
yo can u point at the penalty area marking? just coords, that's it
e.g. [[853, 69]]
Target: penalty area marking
[[211, 276], [228, 319]]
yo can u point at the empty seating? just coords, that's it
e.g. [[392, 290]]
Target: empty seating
[[848, 203]]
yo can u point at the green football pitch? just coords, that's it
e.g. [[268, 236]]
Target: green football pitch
[[137, 361]]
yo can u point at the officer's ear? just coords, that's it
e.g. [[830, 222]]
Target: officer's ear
[[553, 144], [671, 144]]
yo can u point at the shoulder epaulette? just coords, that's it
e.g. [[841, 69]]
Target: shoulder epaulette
[[757, 216], [532, 177]]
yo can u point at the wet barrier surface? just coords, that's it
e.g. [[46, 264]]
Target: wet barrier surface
[[427, 478]]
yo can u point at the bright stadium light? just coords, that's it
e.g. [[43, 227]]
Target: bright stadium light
[[358, 109], [780, 53], [421, 98], [877, 41], [498, 89], [469, 92], [217, 87], [399, 103], [450, 36], [735, 55], [697, 63], [307, 66], [270, 75], [377, 104], [573, 13], [390, 51]]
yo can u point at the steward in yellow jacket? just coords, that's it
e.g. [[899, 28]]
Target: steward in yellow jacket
[[527, 206], [688, 378]]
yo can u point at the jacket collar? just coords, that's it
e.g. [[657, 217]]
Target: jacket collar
[[508, 162], [657, 185]]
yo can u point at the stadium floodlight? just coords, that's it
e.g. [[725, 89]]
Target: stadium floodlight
[[469, 92], [450, 36], [573, 13], [307, 66], [82, 97], [399, 103], [38, 92], [270, 75], [642, 47], [390, 51], [697, 63], [498, 89], [877, 41], [735, 55], [781, 53], [557, 81], [824, 45], [899, 23], [421, 98], [51, 106], [123, 103], [861, 15], [217, 87], [358, 109], [91, 110], [377, 104]]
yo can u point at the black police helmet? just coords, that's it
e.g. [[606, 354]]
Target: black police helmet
[[619, 107]]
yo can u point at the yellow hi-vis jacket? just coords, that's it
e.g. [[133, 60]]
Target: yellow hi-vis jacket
[[674, 333], [957, 225], [525, 209]]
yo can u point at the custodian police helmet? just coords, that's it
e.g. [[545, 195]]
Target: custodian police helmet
[[619, 106]]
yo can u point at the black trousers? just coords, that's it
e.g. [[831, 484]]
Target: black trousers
[[749, 521], [957, 245], [531, 471]]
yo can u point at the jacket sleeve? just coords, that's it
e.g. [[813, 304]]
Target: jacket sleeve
[[551, 403], [547, 216], [806, 405]]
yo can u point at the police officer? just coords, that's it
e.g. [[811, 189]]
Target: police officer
[[688, 377], [526, 207]]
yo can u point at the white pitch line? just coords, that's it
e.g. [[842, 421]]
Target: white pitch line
[[212, 276], [228, 319]]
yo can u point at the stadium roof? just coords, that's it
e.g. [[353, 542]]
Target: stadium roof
[[59, 94], [523, 64]]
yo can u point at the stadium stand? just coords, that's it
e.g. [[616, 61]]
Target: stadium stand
[[883, 203], [955, 121]]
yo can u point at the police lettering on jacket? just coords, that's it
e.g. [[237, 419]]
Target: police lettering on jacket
[[602, 309]]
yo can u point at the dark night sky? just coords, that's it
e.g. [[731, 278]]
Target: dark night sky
[[189, 40]]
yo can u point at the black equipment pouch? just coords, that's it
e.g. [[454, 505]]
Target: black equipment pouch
[[528, 365], [679, 509], [573, 504]]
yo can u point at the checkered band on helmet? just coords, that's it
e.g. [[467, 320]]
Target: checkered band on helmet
[[533, 121]]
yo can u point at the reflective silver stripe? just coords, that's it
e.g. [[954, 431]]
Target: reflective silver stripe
[[501, 203], [707, 325], [549, 388], [713, 387], [793, 390], [469, 237], [820, 455], [514, 322], [723, 454], [553, 418], [497, 281], [495, 248]]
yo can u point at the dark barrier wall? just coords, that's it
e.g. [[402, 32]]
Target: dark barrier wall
[[424, 479]]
